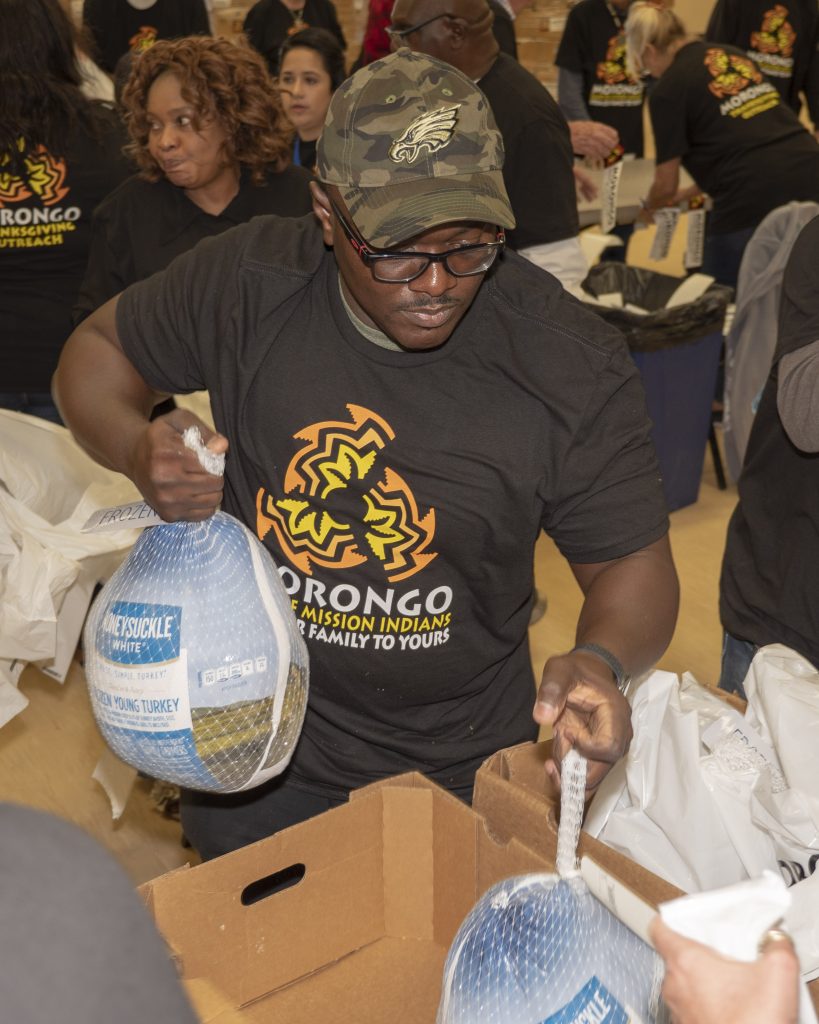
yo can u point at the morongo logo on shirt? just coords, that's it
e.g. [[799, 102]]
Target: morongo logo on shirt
[[143, 40], [44, 178], [731, 73], [614, 86], [342, 507], [772, 47]]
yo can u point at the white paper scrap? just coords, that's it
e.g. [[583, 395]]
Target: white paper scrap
[[690, 289]]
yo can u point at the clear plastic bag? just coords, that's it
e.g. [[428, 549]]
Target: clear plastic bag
[[541, 949], [196, 669]]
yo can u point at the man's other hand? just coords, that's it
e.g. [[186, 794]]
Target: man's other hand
[[170, 476], [580, 700]]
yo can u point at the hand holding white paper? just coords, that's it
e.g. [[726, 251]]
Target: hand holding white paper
[[196, 668]]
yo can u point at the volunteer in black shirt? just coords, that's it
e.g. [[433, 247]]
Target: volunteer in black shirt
[[769, 588], [213, 147], [405, 412], [118, 27], [714, 113], [593, 81], [269, 22], [782, 40], [60, 155], [311, 69]]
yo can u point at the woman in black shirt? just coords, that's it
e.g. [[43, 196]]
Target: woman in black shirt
[[311, 69], [60, 154], [714, 113], [213, 147]]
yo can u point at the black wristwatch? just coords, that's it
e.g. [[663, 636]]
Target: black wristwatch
[[621, 679]]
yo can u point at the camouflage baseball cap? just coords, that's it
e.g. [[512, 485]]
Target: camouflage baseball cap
[[411, 143]]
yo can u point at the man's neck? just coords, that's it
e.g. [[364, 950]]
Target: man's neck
[[479, 60]]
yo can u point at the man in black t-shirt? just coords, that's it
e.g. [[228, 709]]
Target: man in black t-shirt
[[781, 39], [593, 82], [538, 142], [769, 589], [118, 27], [405, 412]]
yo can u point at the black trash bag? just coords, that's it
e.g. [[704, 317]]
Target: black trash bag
[[660, 328]]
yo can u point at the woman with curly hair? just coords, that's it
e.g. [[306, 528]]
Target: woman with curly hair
[[213, 149], [60, 155]]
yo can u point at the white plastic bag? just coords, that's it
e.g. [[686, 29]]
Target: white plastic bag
[[48, 567], [671, 805], [196, 667]]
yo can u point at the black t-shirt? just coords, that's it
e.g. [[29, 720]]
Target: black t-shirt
[[268, 23], [117, 28], [769, 589], [503, 29], [594, 45], [781, 38], [45, 234], [537, 167], [144, 225], [736, 138], [401, 493]]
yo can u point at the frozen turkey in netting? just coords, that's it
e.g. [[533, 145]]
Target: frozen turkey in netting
[[196, 668], [539, 949]]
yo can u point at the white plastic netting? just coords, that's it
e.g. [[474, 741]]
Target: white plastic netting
[[196, 669], [540, 949]]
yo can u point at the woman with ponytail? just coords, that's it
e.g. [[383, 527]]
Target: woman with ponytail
[[716, 115]]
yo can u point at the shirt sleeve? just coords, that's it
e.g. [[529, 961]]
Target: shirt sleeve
[[797, 396], [570, 95], [668, 124], [570, 51], [171, 324]]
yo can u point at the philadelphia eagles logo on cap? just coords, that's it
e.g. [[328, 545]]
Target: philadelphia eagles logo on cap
[[431, 131]]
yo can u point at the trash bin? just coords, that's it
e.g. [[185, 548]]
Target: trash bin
[[677, 351]]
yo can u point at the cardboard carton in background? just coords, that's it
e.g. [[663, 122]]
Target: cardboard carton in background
[[362, 936]]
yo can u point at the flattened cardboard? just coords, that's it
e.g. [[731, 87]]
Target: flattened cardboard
[[363, 936]]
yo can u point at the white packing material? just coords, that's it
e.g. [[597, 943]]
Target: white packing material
[[733, 921], [48, 567], [542, 948], [664, 805]]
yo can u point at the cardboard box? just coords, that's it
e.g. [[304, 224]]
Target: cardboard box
[[362, 936], [512, 787]]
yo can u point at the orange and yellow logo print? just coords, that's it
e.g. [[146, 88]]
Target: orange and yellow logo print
[[612, 70], [731, 73], [45, 177], [143, 40], [347, 456], [776, 35]]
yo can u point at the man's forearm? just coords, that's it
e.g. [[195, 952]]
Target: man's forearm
[[630, 606], [101, 397]]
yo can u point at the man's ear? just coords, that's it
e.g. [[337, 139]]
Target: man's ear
[[323, 211]]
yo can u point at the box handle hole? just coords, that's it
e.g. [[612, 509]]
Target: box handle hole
[[271, 884]]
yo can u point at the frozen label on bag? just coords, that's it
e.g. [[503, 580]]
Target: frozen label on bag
[[120, 517], [610, 189], [666, 221], [695, 239], [593, 1004]]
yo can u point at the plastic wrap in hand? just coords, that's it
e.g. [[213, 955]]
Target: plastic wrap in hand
[[540, 949], [196, 669]]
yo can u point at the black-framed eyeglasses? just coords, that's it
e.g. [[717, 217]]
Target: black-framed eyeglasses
[[402, 267], [402, 33]]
